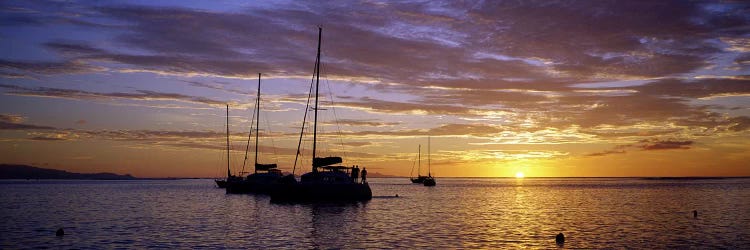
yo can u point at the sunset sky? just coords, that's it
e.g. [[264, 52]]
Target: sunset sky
[[569, 88]]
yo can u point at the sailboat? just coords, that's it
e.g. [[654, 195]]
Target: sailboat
[[429, 181], [265, 176], [420, 178], [327, 181], [222, 183]]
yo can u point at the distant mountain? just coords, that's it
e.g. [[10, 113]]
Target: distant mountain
[[9, 171]]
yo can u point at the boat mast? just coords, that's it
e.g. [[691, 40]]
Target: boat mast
[[429, 166], [228, 173], [317, 84], [257, 122], [419, 157]]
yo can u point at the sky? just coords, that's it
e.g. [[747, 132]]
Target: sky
[[546, 88]]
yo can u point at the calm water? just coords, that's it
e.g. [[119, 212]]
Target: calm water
[[458, 213]]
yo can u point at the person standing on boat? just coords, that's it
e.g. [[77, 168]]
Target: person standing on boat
[[364, 175], [355, 173]]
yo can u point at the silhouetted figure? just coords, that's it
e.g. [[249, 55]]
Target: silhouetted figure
[[560, 239], [60, 232], [355, 173], [695, 214], [364, 175]]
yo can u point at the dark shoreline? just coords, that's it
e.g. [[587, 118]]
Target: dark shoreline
[[24, 172]]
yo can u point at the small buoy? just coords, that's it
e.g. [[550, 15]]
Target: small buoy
[[695, 213], [60, 232], [560, 238]]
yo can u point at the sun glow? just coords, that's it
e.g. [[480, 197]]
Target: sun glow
[[519, 174]]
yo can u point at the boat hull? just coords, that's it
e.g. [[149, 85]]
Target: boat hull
[[429, 182], [221, 183], [258, 183], [418, 180], [315, 192], [247, 187]]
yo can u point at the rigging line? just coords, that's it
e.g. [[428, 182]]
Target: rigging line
[[249, 135], [229, 172], [335, 117], [221, 166], [414, 163], [273, 144], [304, 119], [220, 169]]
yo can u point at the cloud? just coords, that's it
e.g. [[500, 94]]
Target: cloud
[[607, 152], [477, 130], [11, 118], [17, 126], [695, 89], [665, 144], [41, 138], [383, 106], [482, 45], [519, 63], [14, 75], [740, 123], [362, 123], [49, 68], [87, 95], [647, 145], [465, 129], [357, 143], [15, 122], [498, 155]]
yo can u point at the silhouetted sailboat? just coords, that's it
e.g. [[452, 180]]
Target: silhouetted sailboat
[[265, 176], [222, 183], [420, 178], [326, 181], [429, 181]]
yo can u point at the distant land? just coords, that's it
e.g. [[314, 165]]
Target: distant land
[[10, 171]]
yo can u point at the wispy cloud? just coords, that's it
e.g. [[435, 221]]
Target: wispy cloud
[[666, 144], [15, 122], [647, 145], [145, 95], [362, 123]]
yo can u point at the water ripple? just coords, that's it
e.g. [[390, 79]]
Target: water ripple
[[458, 213]]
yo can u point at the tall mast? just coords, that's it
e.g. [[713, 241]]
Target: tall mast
[[228, 173], [257, 122], [317, 84], [419, 156], [429, 166]]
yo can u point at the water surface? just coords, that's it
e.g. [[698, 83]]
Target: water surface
[[457, 213]]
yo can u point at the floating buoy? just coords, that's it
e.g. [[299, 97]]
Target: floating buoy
[[560, 239], [60, 232], [695, 213]]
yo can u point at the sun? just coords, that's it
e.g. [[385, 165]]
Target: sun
[[519, 175]]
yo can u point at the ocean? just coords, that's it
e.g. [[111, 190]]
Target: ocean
[[458, 213]]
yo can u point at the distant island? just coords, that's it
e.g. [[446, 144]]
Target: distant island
[[11, 171]]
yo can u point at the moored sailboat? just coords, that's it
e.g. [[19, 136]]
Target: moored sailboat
[[265, 176], [327, 181], [420, 178], [222, 183], [429, 181]]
